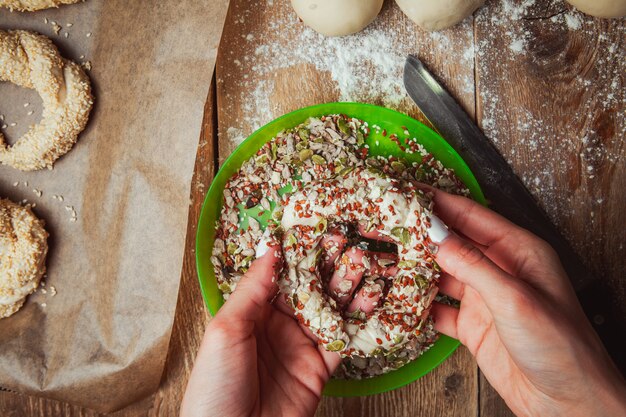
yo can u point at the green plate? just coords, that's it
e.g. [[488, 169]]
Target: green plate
[[392, 122]]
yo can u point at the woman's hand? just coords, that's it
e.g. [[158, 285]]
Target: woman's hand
[[256, 360], [519, 316]]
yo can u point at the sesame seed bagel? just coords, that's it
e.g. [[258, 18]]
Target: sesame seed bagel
[[395, 209], [32, 5], [23, 250], [32, 61]]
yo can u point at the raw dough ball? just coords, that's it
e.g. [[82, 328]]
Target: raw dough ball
[[337, 17], [601, 8], [23, 250], [438, 14]]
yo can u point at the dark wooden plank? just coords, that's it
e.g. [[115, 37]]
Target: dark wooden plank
[[550, 85], [449, 390]]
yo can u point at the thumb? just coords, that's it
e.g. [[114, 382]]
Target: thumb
[[256, 287]]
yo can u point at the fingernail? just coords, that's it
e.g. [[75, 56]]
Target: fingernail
[[437, 231]]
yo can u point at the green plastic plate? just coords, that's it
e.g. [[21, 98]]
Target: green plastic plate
[[392, 122]]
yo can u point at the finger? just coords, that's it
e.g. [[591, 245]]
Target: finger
[[347, 275], [450, 286], [367, 298], [470, 266], [478, 223], [373, 234], [445, 318], [256, 288], [281, 305], [516, 251], [331, 359], [382, 263], [333, 244]]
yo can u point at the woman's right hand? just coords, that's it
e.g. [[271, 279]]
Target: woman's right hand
[[519, 316]]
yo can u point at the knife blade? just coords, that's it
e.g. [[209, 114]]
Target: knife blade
[[507, 194]]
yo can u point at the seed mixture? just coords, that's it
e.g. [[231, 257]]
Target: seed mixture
[[319, 177]]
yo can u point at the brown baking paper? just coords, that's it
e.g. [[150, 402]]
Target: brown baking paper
[[101, 341]]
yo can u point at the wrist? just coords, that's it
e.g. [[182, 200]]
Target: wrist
[[610, 398], [604, 398]]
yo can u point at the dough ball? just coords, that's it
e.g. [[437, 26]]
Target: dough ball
[[337, 17], [601, 8], [438, 14]]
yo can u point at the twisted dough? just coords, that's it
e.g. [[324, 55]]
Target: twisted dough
[[32, 5], [23, 249], [31, 60]]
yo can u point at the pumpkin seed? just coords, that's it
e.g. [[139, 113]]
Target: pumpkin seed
[[321, 225], [407, 264], [360, 138], [398, 166], [421, 282], [345, 171], [262, 159], [343, 126], [305, 154], [319, 160], [401, 234], [336, 346], [291, 240], [304, 133]]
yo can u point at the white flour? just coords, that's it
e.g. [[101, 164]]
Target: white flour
[[368, 67], [550, 148], [365, 67]]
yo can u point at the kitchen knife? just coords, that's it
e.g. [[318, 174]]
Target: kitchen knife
[[506, 193]]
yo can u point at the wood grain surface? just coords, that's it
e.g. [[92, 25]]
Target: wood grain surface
[[548, 89]]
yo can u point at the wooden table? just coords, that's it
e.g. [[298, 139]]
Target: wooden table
[[547, 85]]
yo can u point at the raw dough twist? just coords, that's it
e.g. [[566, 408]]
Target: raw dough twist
[[31, 60], [32, 5], [23, 249]]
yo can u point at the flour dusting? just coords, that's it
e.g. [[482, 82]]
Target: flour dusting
[[595, 94], [367, 67]]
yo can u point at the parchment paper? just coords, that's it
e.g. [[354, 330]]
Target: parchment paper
[[101, 341]]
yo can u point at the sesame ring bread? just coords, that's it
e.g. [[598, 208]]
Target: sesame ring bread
[[32, 5], [31, 60], [23, 250], [395, 209]]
